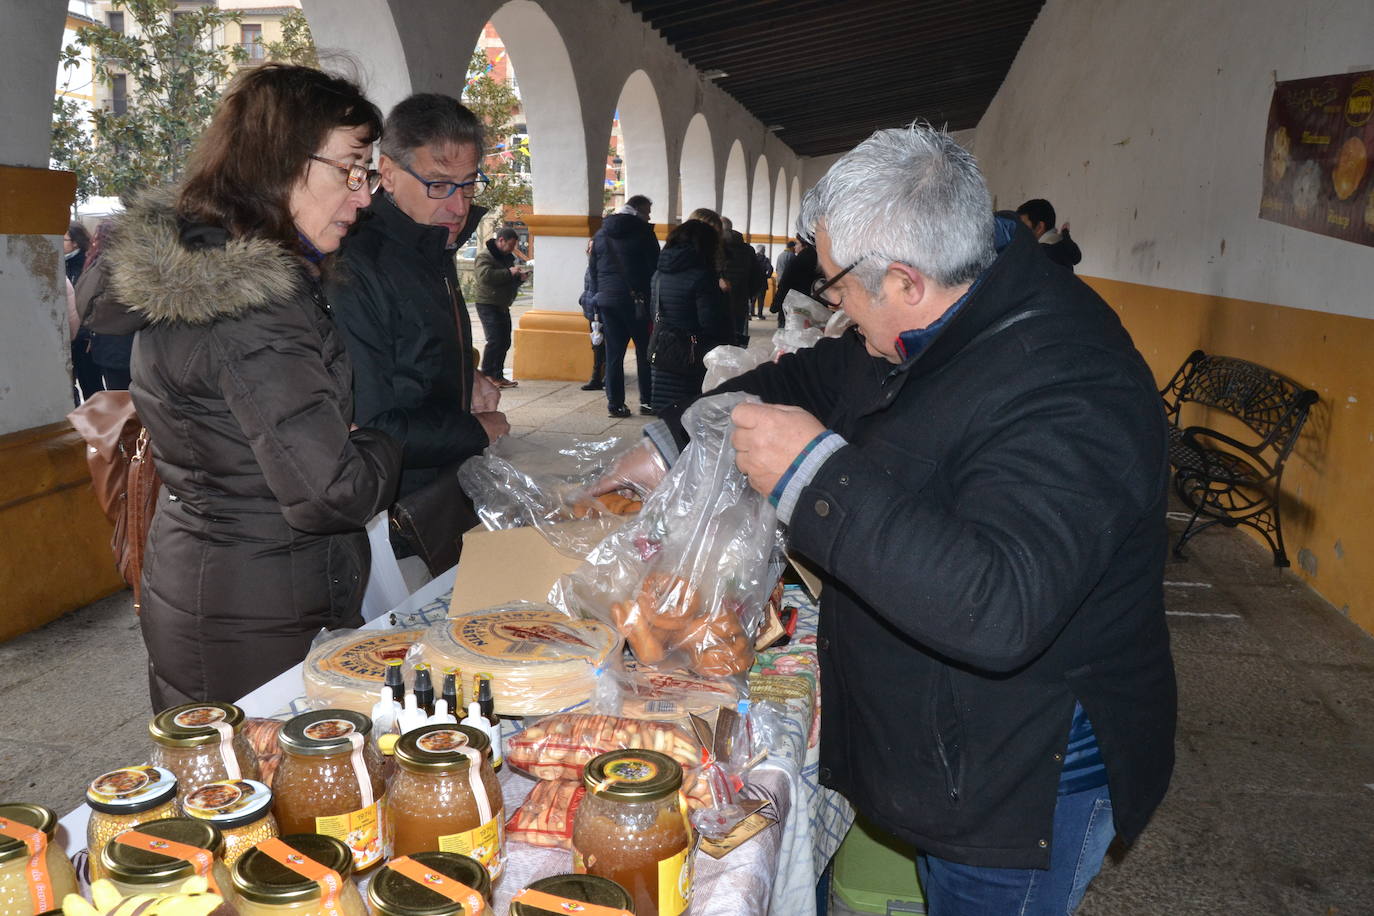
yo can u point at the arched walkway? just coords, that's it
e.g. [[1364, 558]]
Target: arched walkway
[[760, 211], [646, 151], [794, 205], [734, 201], [342, 27], [780, 226], [697, 168]]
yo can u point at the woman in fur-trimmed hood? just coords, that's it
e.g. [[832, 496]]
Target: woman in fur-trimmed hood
[[244, 387]]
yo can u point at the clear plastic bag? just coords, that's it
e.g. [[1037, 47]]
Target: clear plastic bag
[[800, 312], [686, 581], [627, 688], [560, 745], [788, 340], [516, 484], [546, 816], [724, 363]]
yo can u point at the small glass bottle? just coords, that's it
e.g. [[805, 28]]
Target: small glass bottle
[[187, 741], [265, 887], [240, 808], [144, 868], [431, 804], [578, 888], [317, 787], [16, 898], [390, 893], [121, 800], [632, 828]]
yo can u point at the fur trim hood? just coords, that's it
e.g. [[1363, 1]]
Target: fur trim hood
[[154, 271]]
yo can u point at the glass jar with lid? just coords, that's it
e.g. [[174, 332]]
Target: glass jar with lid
[[632, 828], [577, 888], [410, 890], [121, 800], [267, 886], [202, 742], [18, 824], [329, 781], [445, 796], [158, 857], [240, 808]]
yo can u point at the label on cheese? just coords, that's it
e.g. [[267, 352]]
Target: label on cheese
[[530, 636]]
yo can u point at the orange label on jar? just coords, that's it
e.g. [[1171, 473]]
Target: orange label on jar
[[543, 901], [675, 883], [327, 878], [202, 859], [36, 872], [360, 831], [485, 843], [443, 885]]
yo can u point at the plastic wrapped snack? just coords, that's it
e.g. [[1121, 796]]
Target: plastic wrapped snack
[[686, 582], [559, 746], [546, 817], [344, 668], [540, 660], [640, 692], [514, 484]]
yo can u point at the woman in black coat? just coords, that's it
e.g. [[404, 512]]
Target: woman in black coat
[[687, 296]]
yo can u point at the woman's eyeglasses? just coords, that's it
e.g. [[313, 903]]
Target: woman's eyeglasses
[[439, 190], [358, 175]]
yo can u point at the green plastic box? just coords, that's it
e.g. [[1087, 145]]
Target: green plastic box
[[874, 873]]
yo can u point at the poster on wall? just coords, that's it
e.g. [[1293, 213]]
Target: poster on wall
[[1317, 149]]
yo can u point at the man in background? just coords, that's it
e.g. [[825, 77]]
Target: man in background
[[498, 279], [1038, 216]]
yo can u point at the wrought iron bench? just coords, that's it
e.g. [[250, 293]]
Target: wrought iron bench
[[1218, 477]]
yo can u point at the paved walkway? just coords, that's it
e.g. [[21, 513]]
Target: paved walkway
[[1272, 805]]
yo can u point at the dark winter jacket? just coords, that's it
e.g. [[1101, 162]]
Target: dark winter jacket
[[688, 296], [495, 284], [109, 325], [993, 543], [633, 240], [801, 271], [396, 299], [1060, 248], [742, 271], [243, 384]]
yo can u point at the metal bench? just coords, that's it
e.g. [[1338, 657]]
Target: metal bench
[[1221, 479]]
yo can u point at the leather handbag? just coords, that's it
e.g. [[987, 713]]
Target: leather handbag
[[430, 522], [122, 475], [671, 349]]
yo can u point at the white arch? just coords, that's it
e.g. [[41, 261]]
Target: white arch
[[646, 149], [780, 222], [558, 143], [364, 31], [794, 205], [734, 201], [697, 168], [759, 201]]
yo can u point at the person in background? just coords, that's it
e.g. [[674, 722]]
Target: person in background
[[687, 296], [766, 272], [108, 325], [588, 302], [789, 251], [799, 274], [625, 252], [244, 385], [1038, 216], [743, 274], [85, 374], [498, 279]]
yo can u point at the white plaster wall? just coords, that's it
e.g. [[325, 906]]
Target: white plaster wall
[[1144, 125], [358, 38]]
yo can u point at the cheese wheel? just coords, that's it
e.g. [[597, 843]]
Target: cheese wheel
[[540, 660], [345, 671]]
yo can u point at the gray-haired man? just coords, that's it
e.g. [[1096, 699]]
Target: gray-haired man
[[979, 469]]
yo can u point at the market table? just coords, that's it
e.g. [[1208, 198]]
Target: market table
[[775, 872]]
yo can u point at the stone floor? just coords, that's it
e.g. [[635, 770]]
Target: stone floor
[[1272, 805]]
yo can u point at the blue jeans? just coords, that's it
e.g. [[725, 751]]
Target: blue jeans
[[1083, 830]]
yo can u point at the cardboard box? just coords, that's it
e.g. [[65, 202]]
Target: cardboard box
[[516, 564]]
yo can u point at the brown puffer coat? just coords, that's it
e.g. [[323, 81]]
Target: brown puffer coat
[[244, 386]]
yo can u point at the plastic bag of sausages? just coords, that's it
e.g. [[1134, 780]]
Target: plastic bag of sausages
[[686, 582]]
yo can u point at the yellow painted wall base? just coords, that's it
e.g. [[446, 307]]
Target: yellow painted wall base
[[553, 345], [54, 540], [1329, 492]]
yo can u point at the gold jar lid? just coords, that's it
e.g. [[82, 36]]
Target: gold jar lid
[[131, 790], [229, 802], [582, 888], [139, 865], [393, 894], [434, 748], [35, 816], [192, 725], [262, 879], [323, 732], [633, 775]]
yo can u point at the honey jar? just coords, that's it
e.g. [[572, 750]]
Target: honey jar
[[267, 886], [240, 808], [428, 885], [577, 888], [202, 742], [444, 796], [26, 841], [329, 781], [121, 800], [157, 857], [632, 828]]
